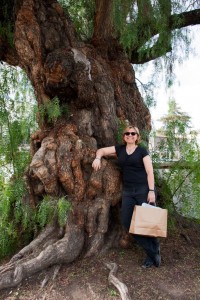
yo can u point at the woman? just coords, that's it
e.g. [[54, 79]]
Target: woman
[[138, 185]]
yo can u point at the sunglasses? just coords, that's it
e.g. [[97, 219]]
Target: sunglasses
[[130, 133]]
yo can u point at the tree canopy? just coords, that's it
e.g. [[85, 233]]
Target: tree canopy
[[146, 29]]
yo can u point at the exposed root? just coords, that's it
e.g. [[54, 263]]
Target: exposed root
[[52, 247], [97, 225], [56, 271], [99, 207], [64, 250], [122, 288], [95, 244], [42, 237], [112, 240], [98, 216], [45, 281], [47, 277], [186, 237]]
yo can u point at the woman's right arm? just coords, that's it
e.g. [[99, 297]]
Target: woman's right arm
[[102, 152]]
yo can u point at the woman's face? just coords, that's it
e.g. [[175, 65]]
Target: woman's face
[[130, 135]]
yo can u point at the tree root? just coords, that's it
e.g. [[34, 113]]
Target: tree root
[[56, 270], [64, 250], [36, 243], [186, 237], [122, 288]]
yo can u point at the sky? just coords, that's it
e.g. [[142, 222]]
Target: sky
[[186, 91]]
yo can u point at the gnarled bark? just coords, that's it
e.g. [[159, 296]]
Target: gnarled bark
[[64, 250], [100, 92]]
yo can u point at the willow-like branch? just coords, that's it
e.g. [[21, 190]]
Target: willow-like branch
[[176, 21]]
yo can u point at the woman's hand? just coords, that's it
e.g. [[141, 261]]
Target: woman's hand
[[100, 153], [96, 164], [151, 198]]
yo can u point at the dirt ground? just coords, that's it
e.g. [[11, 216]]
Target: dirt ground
[[177, 278]]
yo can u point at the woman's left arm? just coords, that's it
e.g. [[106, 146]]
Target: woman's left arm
[[150, 178]]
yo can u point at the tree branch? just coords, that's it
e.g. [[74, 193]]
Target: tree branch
[[185, 19], [176, 21], [150, 54], [145, 22], [103, 22]]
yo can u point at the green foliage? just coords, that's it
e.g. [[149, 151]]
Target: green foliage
[[46, 211], [180, 150], [19, 221], [11, 215], [137, 23], [144, 30], [113, 293], [130, 22], [147, 92], [175, 129], [16, 120], [50, 110], [63, 208], [65, 110], [8, 239], [121, 126], [81, 13], [51, 209]]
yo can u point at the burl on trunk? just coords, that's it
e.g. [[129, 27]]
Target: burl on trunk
[[96, 82]]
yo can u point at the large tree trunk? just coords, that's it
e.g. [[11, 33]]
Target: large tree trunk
[[97, 83]]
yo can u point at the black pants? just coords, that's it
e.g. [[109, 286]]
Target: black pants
[[131, 197]]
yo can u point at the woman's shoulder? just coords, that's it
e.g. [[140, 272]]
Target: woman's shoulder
[[143, 150], [120, 147]]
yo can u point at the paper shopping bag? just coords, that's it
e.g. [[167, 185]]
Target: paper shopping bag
[[149, 221]]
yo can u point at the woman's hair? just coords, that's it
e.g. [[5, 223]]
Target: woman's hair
[[136, 130]]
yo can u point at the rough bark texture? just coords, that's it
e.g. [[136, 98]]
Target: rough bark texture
[[98, 86]]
